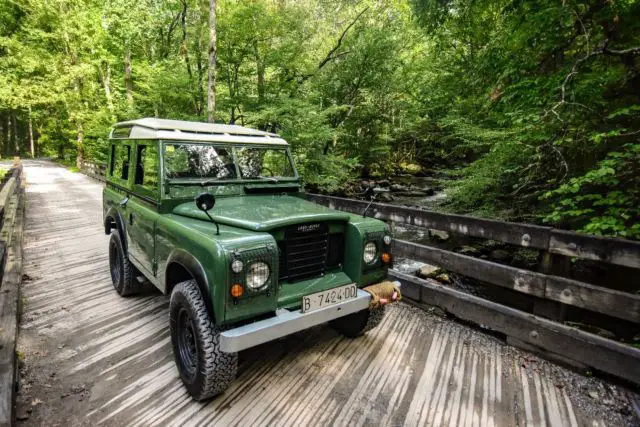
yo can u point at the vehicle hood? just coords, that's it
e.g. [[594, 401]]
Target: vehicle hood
[[262, 213]]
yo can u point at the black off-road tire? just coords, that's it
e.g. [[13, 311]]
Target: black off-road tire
[[357, 324], [123, 273], [204, 369]]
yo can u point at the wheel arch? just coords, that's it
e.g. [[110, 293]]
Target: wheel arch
[[113, 220], [182, 266]]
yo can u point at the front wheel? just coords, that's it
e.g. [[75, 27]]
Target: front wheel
[[204, 369], [356, 324]]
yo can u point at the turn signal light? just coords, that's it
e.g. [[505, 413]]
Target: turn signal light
[[237, 290], [385, 258]]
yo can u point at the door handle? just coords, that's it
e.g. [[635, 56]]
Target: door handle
[[123, 202]]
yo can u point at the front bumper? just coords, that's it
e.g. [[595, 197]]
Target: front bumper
[[287, 322]]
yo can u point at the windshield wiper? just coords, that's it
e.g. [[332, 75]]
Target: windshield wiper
[[193, 182], [268, 178], [209, 181]]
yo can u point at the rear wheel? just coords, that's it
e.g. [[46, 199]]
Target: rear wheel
[[204, 369], [123, 274], [356, 324]]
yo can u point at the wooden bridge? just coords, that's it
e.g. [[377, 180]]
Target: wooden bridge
[[87, 356]]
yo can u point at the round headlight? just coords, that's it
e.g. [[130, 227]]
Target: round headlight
[[370, 251], [257, 275], [387, 239], [237, 266]]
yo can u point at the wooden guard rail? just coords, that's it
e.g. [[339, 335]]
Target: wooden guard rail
[[553, 340], [611, 302], [11, 214], [94, 170], [561, 242]]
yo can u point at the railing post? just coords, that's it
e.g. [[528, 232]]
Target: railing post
[[560, 266]]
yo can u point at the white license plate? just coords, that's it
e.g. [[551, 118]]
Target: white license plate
[[329, 297]]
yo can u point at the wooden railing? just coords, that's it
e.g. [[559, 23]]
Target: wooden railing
[[96, 170], [561, 242], [567, 291], [600, 299], [554, 340], [11, 219]]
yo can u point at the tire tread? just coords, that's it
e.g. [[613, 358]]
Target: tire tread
[[217, 369], [129, 285]]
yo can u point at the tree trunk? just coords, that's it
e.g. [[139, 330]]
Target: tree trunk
[[184, 50], [106, 82], [16, 140], [259, 71], [31, 143], [80, 145], [128, 79], [200, 103], [78, 85], [211, 87], [6, 133]]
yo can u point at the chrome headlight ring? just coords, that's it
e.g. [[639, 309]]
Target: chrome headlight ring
[[257, 275], [370, 252]]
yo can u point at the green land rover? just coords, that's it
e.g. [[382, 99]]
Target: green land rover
[[215, 216]]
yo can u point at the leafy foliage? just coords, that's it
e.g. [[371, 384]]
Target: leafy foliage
[[605, 200], [531, 106]]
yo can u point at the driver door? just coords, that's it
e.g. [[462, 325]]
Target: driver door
[[142, 208]]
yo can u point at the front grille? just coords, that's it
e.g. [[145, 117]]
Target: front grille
[[304, 252]]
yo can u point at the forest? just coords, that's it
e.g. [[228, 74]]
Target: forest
[[530, 109]]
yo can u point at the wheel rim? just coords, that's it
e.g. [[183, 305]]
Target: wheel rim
[[115, 263], [187, 343]]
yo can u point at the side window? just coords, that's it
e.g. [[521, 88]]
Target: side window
[[113, 159], [120, 157], [147, 167]]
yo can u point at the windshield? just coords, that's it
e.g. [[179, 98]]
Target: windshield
[[198, 161], [210, 162], [263, 162]]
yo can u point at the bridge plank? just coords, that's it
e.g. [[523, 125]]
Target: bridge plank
[[604, 355], [611, 302]]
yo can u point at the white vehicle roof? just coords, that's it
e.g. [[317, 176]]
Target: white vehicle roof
[[152, 128]]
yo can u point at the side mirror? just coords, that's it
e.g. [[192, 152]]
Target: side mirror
[[205, 201]]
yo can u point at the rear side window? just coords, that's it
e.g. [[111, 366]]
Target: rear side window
[[121, 132], [120, 159], [147, 167]]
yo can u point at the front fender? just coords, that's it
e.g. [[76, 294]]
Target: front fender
[[114, 215], [195, 269]]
